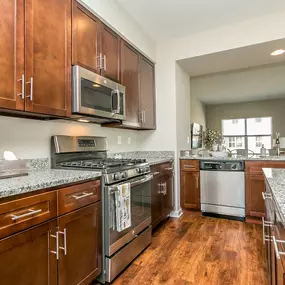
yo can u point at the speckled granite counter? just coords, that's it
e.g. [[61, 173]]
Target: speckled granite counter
[[276, 180], [255, 158], [42, 179], [154, 161]]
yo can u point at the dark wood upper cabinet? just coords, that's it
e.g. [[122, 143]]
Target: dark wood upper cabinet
[[110, 53], [147, 94], [12, 54], [48, 57], [26, 257], [190, 190], [82, 261], [86, 47], [130, 59]]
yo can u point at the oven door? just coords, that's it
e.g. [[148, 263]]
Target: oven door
[[95, 95], [140, 213]]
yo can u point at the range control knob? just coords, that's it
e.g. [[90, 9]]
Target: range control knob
[[124, 174], [234, 166], [117, 176], [141, 170]]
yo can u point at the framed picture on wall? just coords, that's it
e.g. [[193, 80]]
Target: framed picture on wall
[[196, 135]]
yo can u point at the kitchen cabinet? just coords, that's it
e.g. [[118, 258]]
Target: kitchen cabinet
[[36, 68], [63, 243], [48, 57], [12, 55], [162, 201], [254, 186], [190, 184], [85, 39], [273, 237], [80, 260], [110, 53], [27, 258], [147, 94]]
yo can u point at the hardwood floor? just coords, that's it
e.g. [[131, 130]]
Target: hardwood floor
[[200, 250]]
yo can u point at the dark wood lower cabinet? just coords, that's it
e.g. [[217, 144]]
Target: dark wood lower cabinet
[[26, 258], [82, 262], [162, 193]]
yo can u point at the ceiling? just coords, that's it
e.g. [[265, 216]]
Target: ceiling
[[239, 58], [176, 18]]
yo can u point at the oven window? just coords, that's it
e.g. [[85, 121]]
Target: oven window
[[95, 96], [140, 209]]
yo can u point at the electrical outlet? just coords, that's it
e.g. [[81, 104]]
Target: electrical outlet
[[119, 139], [129, 140]]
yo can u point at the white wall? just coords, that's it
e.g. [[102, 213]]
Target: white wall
[[31, 138], [198, 110], [259, 83]]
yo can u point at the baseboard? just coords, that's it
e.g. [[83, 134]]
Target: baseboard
[[176, 214]]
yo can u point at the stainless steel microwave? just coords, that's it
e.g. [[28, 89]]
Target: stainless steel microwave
[[96, 98]]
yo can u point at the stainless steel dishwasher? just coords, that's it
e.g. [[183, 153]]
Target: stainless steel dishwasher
[[223, 188]]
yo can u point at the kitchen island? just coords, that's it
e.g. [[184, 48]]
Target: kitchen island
[[274, 224]]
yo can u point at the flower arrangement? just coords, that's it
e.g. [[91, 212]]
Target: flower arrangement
[[211, 137]]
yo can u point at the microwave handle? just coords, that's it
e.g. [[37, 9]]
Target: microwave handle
[[118, 102], [112, 110]]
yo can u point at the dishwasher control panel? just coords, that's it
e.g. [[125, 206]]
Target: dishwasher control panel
[[221, 165]]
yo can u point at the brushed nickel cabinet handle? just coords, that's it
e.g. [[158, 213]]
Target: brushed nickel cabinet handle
[[56, 251], [168, 168], [275, 243], [165, 188], [22, 94], [265, 224], [64, 248], [82, 196], [30, 213], [189, 166], [31, 82], [155, 173], [266, 196], [197, 182], [105, 62]]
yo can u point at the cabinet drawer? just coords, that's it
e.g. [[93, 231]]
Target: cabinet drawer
[[23, 213], [255, 167], [75, 197], [189, 165]]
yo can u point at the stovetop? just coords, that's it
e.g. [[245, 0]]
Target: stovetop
[[108, 163]]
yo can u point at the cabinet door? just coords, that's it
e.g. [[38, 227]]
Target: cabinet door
[[254, 186], [12, 54], [83, 257], [190, 190], [85, 39], [48, 57], [147, 94], [168, 195], [156, 202], [130, 79], [111, 53], [26, 257]]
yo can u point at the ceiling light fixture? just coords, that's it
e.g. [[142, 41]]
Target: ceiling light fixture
[[278, 52], [83, 121]]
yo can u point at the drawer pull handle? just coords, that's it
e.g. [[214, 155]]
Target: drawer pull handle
[[189, 166], [56, 251], [169, 168], [265, 224], [266, 196], [155, 173], [82, 196], [277, 252], [30, 213]]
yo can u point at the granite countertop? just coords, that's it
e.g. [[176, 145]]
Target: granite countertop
[[254, 158], [47, 178], [276, 181], [158, 160]]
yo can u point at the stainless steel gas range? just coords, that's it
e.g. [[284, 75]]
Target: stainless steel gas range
[[90, 153]]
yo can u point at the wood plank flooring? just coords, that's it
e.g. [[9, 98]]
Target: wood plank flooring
[[200, 250]]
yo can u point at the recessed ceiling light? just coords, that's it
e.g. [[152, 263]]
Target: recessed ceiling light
[[83, 121], [278, 52]]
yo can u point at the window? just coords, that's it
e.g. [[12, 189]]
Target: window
[[248, 134]]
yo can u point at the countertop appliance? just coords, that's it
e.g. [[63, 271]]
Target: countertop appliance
[[223, 188], [90, 153], [95, 98]]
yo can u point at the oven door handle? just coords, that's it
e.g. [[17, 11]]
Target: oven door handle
[[141, 181]]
